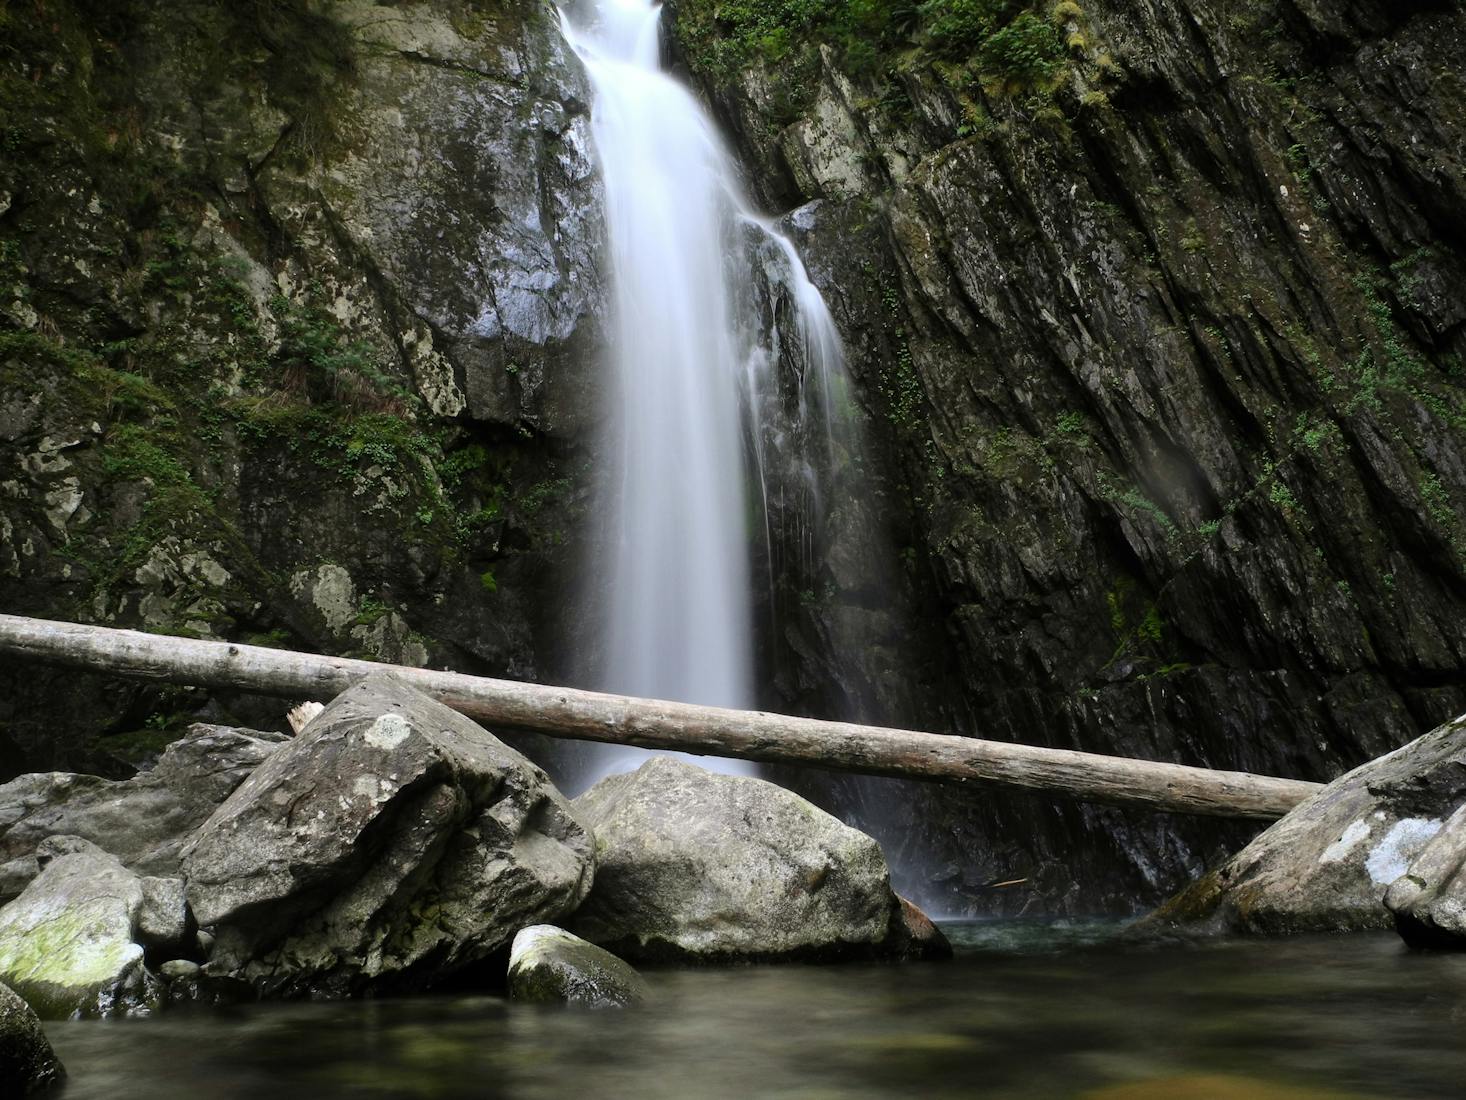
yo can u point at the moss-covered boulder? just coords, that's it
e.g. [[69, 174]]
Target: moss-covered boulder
[[391, 843], [68, 943], [698, 867], [28, 1065], [550, 965]]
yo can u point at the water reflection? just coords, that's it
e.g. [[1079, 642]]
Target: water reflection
[[1024, 1011]]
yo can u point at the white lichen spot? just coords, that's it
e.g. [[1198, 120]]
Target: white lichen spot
[[365, 786], [387, 732], [1392, 855], [1347, 842]]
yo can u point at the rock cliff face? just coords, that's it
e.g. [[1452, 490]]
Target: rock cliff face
[[298, 310], [1161, 367], [1155, 340]]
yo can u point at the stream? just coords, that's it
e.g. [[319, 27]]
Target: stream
[[1025, 1010]]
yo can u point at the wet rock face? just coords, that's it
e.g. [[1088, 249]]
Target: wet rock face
[[1327, 865], [466, 183], [390, 844], [698, 867], [1164, 397], [28, 1065], [298, 305]]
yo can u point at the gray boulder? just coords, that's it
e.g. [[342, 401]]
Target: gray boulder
[[394, 841], [1429, 901], [550, 965], [68, 944], [693, 866], [28, 1065], [143, 821], [1325, 867]]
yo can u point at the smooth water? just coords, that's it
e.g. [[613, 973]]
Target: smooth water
[[1026, 1010], [678, 599]]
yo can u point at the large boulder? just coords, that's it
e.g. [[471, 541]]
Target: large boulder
[[550, 965], [28, 1065], [1325, 866], [693, 866], [143, 821], [1429, 901], [69, 943], [392, 842]]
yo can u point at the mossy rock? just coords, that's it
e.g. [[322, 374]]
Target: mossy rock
[[67, 943], [550, 966]]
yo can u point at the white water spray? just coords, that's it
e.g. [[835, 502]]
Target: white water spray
[[688, 366]]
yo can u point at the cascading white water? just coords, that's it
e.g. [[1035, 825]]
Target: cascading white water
[[679, 603]]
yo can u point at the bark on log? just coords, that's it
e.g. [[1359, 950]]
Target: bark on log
[[655, 724]]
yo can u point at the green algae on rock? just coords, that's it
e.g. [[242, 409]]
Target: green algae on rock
[[68, 943]]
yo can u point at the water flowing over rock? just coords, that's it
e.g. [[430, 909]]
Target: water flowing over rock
[[143, 821], [550, 964], [390, 844], [1429, 900], [69, 943], [28, 1065], [693, 350], [1327, 865], [699, 867]]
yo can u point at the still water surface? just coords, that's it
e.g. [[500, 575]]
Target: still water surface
[[1024, 1011]]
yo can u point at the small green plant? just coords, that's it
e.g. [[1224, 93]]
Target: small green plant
[[1028, 51]]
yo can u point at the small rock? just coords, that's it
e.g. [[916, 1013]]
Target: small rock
[[163, 921], [1429, 900], [549, 964], [28, 1065], [178, 970]]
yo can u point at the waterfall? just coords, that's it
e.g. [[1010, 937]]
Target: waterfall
[[691, 352]]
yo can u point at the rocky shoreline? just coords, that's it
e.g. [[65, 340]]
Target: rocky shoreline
[[394, 845]]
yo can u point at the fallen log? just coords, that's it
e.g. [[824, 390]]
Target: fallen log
[[656, 724]]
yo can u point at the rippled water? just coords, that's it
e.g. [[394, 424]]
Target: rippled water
[[1025, 1010]]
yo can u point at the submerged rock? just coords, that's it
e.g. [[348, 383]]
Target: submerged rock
[[68, 944], [1429, 900], [28, 1065], [394, 841], [699, 867], [550, 964], [143, 821], [1325, 867]]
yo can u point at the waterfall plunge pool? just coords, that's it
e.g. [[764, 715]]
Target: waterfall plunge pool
[[1025, 1010]]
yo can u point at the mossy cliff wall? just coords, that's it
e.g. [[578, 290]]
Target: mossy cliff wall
[[298, 305], [1156, 319]]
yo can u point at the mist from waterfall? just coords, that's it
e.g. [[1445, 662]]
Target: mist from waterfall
[[689, 359]]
